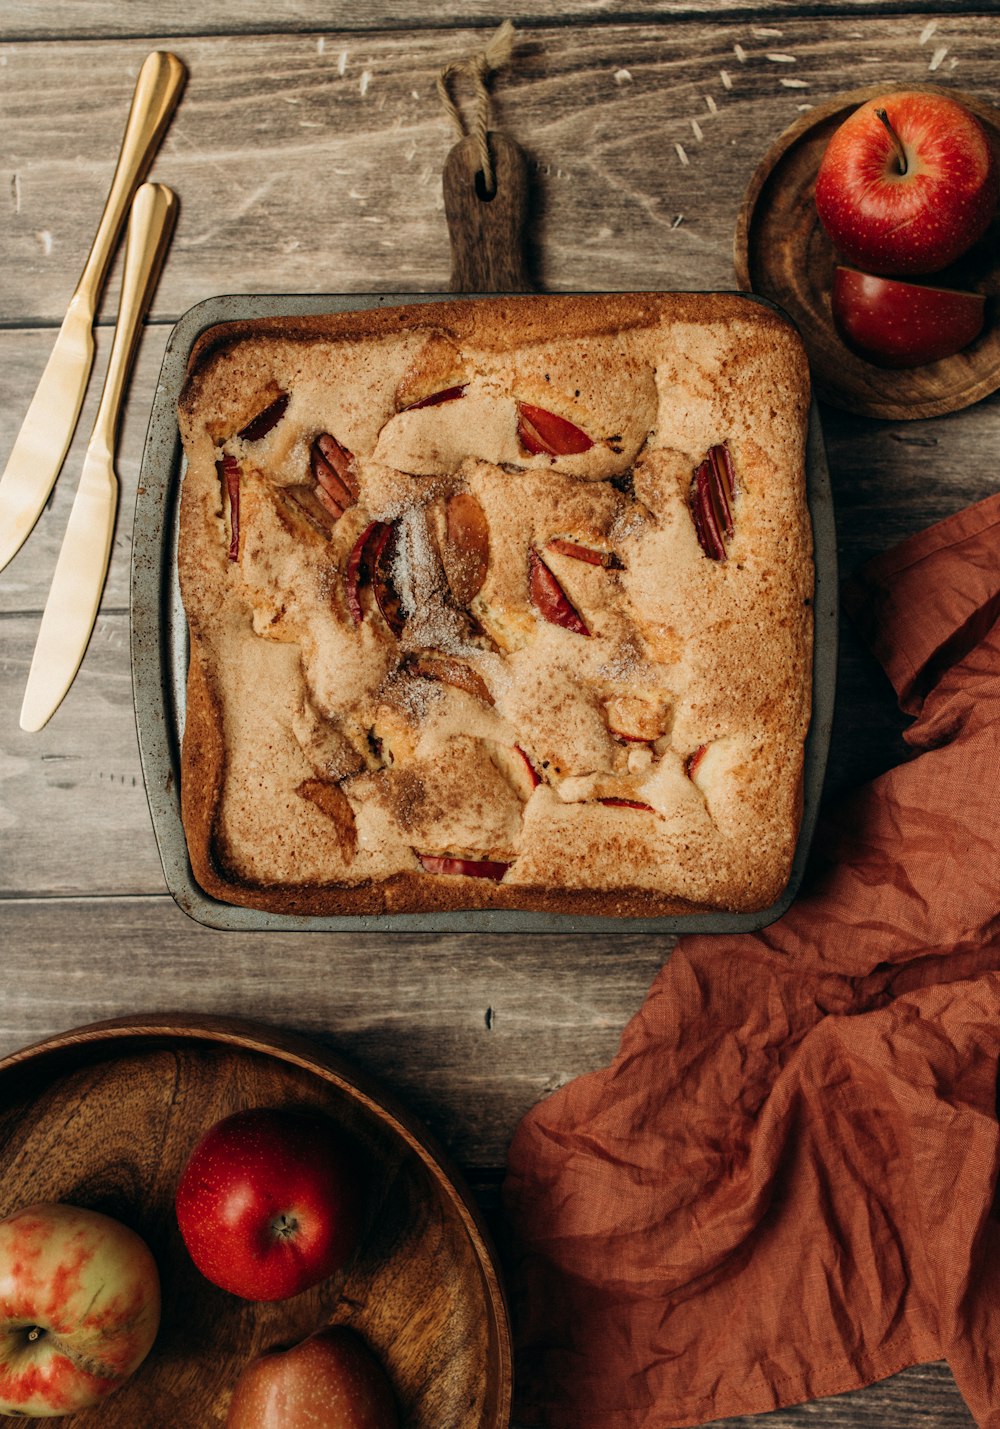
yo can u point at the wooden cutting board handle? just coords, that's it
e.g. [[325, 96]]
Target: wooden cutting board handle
[[487, 233]]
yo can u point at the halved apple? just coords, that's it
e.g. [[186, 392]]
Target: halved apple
[[899, 324]]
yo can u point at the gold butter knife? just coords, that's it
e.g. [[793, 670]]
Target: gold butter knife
[[47, 430], [71, 608]]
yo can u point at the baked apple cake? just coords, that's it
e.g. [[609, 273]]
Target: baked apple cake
[[501, 603]]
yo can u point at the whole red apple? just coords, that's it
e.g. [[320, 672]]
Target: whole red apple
[[899, 324], [329, 1381], [79, 1308], [270, 1202], [907, 183]]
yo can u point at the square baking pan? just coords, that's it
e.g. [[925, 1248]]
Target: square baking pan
[[160, 649]]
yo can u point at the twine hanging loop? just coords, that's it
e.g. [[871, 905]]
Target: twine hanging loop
[[493, 57]]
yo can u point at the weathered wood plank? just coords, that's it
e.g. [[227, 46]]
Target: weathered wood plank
[[925, 1395], [324, 174], [470, 1030], [25, 582], [35, 19]]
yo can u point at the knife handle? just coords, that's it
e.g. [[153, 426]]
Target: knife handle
[[154, 210], [157, 90]]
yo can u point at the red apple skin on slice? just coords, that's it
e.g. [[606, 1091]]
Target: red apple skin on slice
[[590, 554], [435, 399], [900, 324], [260, 425], [549, 598], [228, 470], [469, 867], [359, 567], [544, 432], [386, 595], [332, 468]]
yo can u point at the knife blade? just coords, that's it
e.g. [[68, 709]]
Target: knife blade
[[43, 441], [78, 581]]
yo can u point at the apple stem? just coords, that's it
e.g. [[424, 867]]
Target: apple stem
[[897, 143]]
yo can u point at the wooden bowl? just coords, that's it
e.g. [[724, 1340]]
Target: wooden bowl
[[781, 251], [105, 1117]]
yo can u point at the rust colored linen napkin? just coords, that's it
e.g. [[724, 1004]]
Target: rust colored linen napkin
[[783, 1186]]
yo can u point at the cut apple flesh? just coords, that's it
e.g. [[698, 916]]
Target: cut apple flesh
[[543, 432], [469, 867], [549, 598], [593, 557], [229, 473], [260, 425], [899, 324], [465, 550]]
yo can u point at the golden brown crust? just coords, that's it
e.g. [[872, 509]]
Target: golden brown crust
[[327, 759]]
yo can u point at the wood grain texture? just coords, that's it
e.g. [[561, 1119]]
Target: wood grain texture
[[642, 126], [126, 1104], [325, 174], [782, 252], [467, 1029], [36, 19]]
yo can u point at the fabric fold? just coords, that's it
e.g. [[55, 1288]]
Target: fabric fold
[[783, 1186]]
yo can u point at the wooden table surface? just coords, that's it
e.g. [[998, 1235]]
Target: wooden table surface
[[308, 158]]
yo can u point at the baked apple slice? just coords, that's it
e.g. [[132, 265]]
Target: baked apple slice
[[549, 598], [712, 499], [228, 470], [464, 543], [260, 425], [435, 399], [592, 555], [387, 597], [614, 802], [332, 802], [543, 432], [450, 671], [361, 564], [332, 467], [467, 867]]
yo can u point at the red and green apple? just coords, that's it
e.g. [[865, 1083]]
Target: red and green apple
[[79, 1308]]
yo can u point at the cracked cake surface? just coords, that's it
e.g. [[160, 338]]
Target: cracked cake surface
[[503, 603]]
